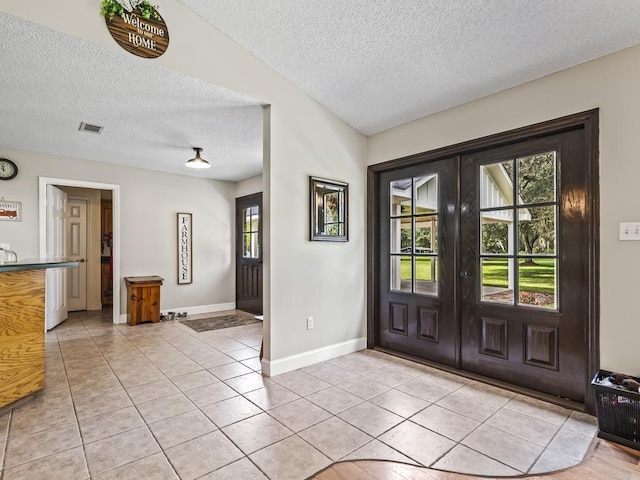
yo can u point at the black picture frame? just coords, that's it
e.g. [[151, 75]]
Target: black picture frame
[[329, 210]]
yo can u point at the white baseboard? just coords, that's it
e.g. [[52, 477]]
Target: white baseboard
[[301, 360], [217, 307]]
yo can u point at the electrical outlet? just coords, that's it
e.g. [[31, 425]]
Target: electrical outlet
[[630, 231], [309, 323]]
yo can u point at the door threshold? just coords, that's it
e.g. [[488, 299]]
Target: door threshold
[[562, 402]]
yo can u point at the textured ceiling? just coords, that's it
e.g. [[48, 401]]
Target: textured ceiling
[[374, 63], [152, 116], [380, 63]]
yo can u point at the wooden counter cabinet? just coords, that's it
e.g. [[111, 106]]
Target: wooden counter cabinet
[[143, 299], [22, 326]]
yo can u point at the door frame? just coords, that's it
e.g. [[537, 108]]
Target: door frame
[[589, 121], [42, 225]]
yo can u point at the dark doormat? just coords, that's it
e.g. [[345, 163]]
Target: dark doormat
[[216, 323]]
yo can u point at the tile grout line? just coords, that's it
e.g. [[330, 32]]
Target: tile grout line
[[137, 410], [186, 348], [194, 405], [6, 444], [73, 403], [40, 431]]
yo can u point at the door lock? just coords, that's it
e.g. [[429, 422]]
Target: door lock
[[465, 273]]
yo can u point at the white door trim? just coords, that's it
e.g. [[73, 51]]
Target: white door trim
[[42, 222]]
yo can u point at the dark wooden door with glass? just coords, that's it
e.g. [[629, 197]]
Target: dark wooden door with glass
[[249, 253], [524, 253], [416, 261], [483, 263]]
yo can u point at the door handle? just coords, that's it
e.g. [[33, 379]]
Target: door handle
[[81, 260], [465, 273]]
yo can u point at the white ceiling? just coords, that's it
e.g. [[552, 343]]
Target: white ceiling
[[51, 82], [374, 63], [379, 63]]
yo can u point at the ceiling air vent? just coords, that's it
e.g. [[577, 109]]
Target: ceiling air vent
[[87, 127]]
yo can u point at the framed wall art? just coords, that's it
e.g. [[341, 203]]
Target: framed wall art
[[329, 219], [10, 211]]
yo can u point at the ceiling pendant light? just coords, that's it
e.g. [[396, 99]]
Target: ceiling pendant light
[[197, 161]]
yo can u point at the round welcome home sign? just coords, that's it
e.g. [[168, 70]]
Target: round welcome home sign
[[136, 26]]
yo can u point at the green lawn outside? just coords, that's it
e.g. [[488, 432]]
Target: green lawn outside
[[537, 278], [423, 267]]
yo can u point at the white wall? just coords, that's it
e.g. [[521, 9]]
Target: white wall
[[249, 186], [149, 202], [610, 83], [326, 281]]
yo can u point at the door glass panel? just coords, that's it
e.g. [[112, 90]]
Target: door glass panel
[[537, 231], [537, 178], [246, 214], [503, 247], [251, 245], [426, 269], [401, 276], [496, 184], [400, 235], [425, 191], [537, 278], [426, 229], [414, 234], [496, 228], [497, 280], [251, 219], [250, 229], [400, 193]]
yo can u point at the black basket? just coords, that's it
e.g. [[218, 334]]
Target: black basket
[[618, 412]]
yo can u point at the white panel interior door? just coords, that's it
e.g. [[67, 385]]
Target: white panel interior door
[[76, 250], [56, 293]]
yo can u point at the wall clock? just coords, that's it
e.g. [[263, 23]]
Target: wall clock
[[8, 169]]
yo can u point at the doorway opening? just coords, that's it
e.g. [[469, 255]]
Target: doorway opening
[[110, 247]]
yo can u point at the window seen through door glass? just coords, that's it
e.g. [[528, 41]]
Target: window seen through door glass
[[518, 249], [414, 235], [250, 232]]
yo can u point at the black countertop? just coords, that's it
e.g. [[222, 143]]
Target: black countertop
[[37, 264]]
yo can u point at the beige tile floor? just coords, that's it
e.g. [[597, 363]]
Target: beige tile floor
[[160, 401]]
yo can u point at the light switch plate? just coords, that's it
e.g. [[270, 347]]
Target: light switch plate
[[630, 231]]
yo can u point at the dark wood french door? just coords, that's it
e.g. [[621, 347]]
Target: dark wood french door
[[249, 253], [485, 262], [417, 274], [524, 257]]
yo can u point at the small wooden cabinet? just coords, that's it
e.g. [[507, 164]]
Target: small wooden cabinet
[[143, 294]]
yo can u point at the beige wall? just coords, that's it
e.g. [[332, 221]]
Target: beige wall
[[148, 232], [611, 84], [249, 186], [306, 279]]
